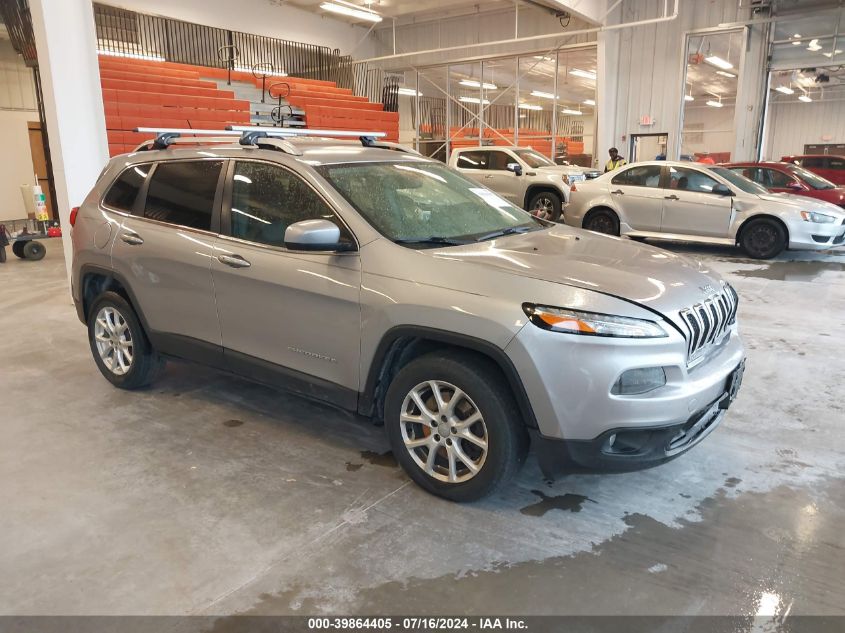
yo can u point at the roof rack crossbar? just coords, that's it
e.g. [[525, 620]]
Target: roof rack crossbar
[[289, 131]]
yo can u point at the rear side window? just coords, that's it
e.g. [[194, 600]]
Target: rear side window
[[642, 176], [183, 193], [837, 163], [124, 191], [472, 160], [813, 162]]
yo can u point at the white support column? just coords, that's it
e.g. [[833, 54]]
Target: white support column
[[73, 104], [607, 93]]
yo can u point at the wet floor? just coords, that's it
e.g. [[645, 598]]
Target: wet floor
[[209, 495]]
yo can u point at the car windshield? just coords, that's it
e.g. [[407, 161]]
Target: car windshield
[[813, 180], [746, 185], [532, 158], [426, 203]]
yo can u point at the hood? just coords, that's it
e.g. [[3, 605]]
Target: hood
[[560, 169], [804, 203], [649, 276]]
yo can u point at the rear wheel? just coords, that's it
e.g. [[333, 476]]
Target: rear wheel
[[763, 238], [454, 426], [545, 205], [602, 221], [118, 343], [34, 251]]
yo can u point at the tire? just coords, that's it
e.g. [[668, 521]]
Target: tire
[[2, 254], [484, 392], [17, 249], [106, 321], [34, 251], [546, 205], [602, 221], [763, 238]]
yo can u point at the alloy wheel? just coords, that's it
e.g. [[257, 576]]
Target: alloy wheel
[[544, 208], [114, 340], [444, 432]]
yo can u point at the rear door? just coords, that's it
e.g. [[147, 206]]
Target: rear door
[[637, 192], [163, 251], [295, 310], [472, 164], [691, 207]]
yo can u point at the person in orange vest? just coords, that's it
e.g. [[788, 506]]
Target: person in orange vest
[[706, 159], [615, 162]]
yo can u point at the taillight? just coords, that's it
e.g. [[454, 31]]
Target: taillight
[[73, 213], [572, 187]]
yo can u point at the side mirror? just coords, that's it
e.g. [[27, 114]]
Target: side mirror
[[313, 235], [795, 186], [515, 168], [722, 190]]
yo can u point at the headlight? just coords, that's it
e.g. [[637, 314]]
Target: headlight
[[818, 218], [591, 323]]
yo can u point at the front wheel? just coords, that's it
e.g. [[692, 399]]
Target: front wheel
[[602, 221], [545, 205], [120, 348], [763, 239], [453, 425]]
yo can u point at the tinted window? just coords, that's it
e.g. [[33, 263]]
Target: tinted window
[[499, 160], [266, 199], [837, 163], [125, 189], [777, 179], [684, 179], [183, 193], [642, 176], [472, 160], [813, 162]]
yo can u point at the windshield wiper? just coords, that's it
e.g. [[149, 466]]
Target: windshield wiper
[[511, 230], [434, 239]]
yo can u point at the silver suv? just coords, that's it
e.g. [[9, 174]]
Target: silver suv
[[522, 176], [389, 285]]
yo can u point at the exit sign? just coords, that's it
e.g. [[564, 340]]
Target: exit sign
[[646, 119]]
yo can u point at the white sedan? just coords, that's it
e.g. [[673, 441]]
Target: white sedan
[[702, 203]]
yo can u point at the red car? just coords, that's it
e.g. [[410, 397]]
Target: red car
[[826, 166], [790, 178]]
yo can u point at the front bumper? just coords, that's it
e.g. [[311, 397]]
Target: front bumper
[[568, 379], [812, 236]]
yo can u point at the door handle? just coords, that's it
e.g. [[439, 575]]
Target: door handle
[[618, 192], [133, 239], [672, 197], [235, 261], [488, 177]]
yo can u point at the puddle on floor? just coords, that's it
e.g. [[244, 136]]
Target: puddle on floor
[[567, 502], [791, 271], [380, 459]]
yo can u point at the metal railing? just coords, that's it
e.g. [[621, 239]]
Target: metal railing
[[131, 34]]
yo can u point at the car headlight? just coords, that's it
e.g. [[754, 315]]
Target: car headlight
[[591, 323], [818, 218]]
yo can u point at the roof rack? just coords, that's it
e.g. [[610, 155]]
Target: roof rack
[[272, 137]]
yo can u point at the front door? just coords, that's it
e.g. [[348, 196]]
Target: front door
[[637, 194], [294, 312], [503, 181], [164, 251], [690, 206]]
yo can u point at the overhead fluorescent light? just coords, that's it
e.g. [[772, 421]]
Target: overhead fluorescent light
[[410, 92], [785, 90], [544, 95], [530, 106], [714, 104], [149, 58], [814, 46], [724, 64], [351, 10], [571, 111], [473, 100], [724, 73], [830, 55], [472, 83], [796, 43], [797, 35], [805, 98], [543, 58], [689, 98], [586, 74], [589, 102]]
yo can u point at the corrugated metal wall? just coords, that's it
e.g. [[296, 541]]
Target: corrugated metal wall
[[791, 125]]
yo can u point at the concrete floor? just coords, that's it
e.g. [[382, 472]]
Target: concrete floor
[[209, 495]]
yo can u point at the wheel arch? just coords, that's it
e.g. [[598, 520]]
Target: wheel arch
[[94, 281], [600, 207], [534, 189], [402, 344], [762, 216]]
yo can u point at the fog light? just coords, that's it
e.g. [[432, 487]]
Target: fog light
[[637, 381]]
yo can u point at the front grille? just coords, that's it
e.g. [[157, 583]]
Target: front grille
[[709, 321]]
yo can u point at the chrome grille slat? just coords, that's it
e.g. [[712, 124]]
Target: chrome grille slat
[[708, 322]]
